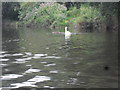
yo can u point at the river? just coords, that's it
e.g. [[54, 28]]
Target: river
[[38, 58]]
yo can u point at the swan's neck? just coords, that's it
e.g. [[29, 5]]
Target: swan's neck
[[65, 29]]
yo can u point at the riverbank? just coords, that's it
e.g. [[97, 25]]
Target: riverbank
[[85, 18], [9, 23], [79, 17], [97, 26]]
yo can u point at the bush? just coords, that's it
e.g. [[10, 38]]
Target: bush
[[52, 14], [44, 13], [84, 13], [10, 10]]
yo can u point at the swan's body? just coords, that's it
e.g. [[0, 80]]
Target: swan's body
[[67, 32]]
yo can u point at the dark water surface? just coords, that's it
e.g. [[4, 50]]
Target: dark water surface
[[40, 59]]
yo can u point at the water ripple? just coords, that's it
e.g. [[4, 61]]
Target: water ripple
[[10, 76], [55, 71], [31, 82], [72, 81], [4, 59], [32, 70], [40, 55], [5, 55], [43, 62], [37, 56], [44, 56], [3, 65], [28, 53], [1, 52], [39, 79], [53, 64], [52, 57], [17, 54], [49, 87], [23, 84], [24, 59]]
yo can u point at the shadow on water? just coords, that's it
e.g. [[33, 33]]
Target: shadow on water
[[40, 59]]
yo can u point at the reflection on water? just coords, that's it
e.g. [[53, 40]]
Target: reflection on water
[[31, 82], [41, 59], [32, 70], [10, 76]]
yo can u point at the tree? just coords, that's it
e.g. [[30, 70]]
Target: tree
[[10, 10]]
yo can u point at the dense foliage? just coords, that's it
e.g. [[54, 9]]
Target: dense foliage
[[10, 10], [84, 13], [53, 14], [42, 13]]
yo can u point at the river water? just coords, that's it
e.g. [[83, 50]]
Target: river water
[[41, 59]]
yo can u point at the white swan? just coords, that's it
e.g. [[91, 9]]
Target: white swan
[[67, 32]]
